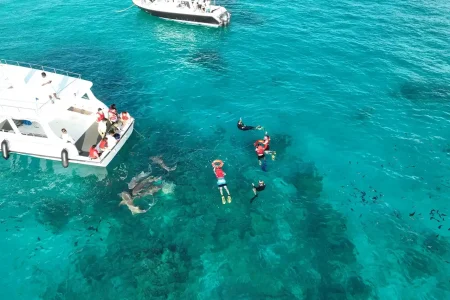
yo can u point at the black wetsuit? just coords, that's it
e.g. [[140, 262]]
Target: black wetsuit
[[241, 126], [260, 188]]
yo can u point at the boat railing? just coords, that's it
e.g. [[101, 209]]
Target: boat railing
[[20, 107], [39, 67]]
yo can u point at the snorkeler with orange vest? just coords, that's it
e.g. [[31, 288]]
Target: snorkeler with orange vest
[[221, 182], [263, 148]]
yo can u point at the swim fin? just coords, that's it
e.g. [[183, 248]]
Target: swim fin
[[223, 200], [254, 197], [273, 155], [229, 199]]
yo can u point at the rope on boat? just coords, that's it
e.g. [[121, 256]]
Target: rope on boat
[[139, 133], [119, 11]]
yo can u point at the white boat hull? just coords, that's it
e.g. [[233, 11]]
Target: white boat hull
[[53, 151]]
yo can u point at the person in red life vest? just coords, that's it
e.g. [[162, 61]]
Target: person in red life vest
[[103, 145], [93, 153], [267, 146], [221, 182], [260, 151], [112, 114], [125, 118], [100, 115]]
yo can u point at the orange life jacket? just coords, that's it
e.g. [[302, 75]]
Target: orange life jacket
[[93, 153], [103, 144]]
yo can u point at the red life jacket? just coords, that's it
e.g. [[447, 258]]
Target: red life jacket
[[93, 153], [100, 116], [125, 117], [260, 150], [219, 173], [103, 144], [112, 113]]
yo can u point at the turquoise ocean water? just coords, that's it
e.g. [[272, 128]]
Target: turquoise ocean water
[[355, 95]]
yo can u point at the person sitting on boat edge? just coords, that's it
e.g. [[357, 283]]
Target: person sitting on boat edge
[[124, 118], [66, 137], [48, 86], [242, 126], [93, 153], [103, 145], [112, 114]]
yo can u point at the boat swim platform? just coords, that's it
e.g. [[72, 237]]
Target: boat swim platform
[[90, 137]]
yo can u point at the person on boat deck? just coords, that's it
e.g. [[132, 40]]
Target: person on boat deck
[[112, 114], [221, 182], [66, 137], [267, 146], [111, 140], [103, 145], [102, 128], [47, 84], [100, 115], [124, 118], [244, 127], [93, 153]]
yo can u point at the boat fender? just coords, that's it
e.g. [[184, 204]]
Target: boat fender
[[65, 158], [5, 149]]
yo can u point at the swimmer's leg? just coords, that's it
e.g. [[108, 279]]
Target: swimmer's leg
[[221, 194], [229, 196]]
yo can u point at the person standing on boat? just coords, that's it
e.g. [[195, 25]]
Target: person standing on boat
[[242, 126], [47, 84], [66, 137], [100, 115], [111, 140], [102, 128]]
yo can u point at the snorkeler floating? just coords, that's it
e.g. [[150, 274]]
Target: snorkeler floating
[[242, 126], [260, 187], [262, 148], [221, 183]]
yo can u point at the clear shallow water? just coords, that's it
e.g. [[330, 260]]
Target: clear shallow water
[[356, 98]]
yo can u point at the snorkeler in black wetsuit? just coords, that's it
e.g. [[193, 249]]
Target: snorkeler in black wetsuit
[[260, 187], [242, 126]]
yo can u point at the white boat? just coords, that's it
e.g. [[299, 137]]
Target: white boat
[[197, 12], [31, 122]]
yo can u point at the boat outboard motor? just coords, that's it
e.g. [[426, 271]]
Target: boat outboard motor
[[65, 158], [5, 149]]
